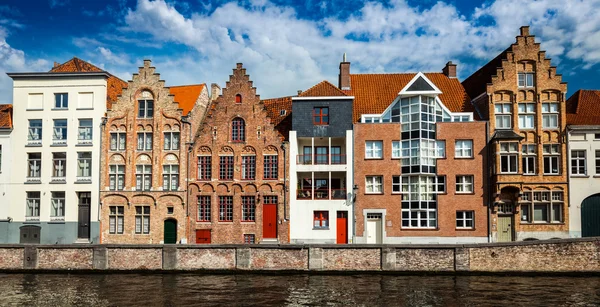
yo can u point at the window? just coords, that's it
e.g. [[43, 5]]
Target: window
[[529, 159], [0, 158], [321, 116], [321, 156], [336, 155], [597, 162], [238, 130], [248, 167], [578, 162], [526, 115], [374, 184], [84, 165], [547, 207], [35, 165], [59, 160], [142, 219], [58, 205], [249, 238], [84, 132], [463, 149], [464, 184], [270, 167], [321, 219], [419, 195], [225, 208], [61, 101], [170, 177], [238, 98], [226, 167], [373, 149], [60, 131], [145, 107], [396, 184], [204, 208], [35, 130], [116, 218], [171, 141], [549, 115], [248, 208], [143, 177], [116, 177], [144, 141], [204, 167], [440, 149], [525, 79], [117, 141], [509, 156], [503, 113], [464, 219], [551, 159], [396, 150], [33, 205]]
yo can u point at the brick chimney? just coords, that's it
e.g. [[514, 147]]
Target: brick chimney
[[215, 91], [524, 31], [450, 70], [344, 77]]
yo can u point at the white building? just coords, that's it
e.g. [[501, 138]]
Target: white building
[[6, 126], [56, 143], [583, 119]]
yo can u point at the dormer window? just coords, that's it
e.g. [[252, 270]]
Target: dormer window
[[526, 79], [146, 105]]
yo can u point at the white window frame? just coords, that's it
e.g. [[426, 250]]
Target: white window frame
[[57, 210], [526, 115], [396, 184], [371, 150], [143, 177], [578, 163], [510, 150], [464, 184], [33, 206], [374, 185], [463, 149], [529, 159], [59, 165], [144, 141], [171, 177], [463, 217], [396, 150], [526, 79], [61, 101], [550, 112], [552, 158], [118, 141], [60, 131], [502, 112], [84, 165], [85, 131]]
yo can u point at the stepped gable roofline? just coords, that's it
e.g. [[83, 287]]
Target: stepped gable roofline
[[583, 108], [6, 113], [323, 89], [477, 82], [186, 96]]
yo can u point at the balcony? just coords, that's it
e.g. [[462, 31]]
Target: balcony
[[321, 194], [321, 159]]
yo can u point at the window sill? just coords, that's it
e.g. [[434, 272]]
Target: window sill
[[82, 144], [464, 193], [142, 118], [596, 176], [580, 176], [379, 158], [33, 181], [225, 222], [57, 220], [375, 193], [465, 229], [320, 228], [142, 234], [204, 180], [59, 109], [204, 222], [464, 158], [515, 173], [551, 174], [83, 109], [34, 109], [143, 150], [57, 181], [530, 174], [248, 222], [58, 145], [29, 220], [420, 228], [542, 223], [34, 144], [270, 179]]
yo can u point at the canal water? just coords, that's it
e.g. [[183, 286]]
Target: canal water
[[294, 290]]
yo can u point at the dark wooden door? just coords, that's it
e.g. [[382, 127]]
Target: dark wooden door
[[342, 227], [30, 234], [269, 221], [590, 216], [83, 229], [202, 236], [170, 233]]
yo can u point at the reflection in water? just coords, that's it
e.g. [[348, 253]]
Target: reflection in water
[[316, 290]]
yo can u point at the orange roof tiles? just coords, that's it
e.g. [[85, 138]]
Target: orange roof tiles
[[114, 85], [274, 106], [324, 88], [6, 112], [186, 96], [583, 108]]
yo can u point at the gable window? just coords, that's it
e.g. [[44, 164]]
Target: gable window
[[373, 149], [270, 167], [238, 130], [84, 132], [171, 141], [464, 184], [61, 101], [503, 112], [35, 130], [142, 219], [59, 160], [248, 167], [464, 219], [58, 206], [117, 141], [320, 219], [143, 177], [204, 208], [225, 208], [145, 108], [321, 116], [238, 98], [33, 206], [226, 167], [374, 184], [529, 154], [551, 159], [170, 177], [60, 131], [204, 167], [463, 149], [248, 208], [116, 177], [526, 79], [509, 157], [34, 161], [526, 115], [84, 166], [116, 219], [144, 141], [549, 115]]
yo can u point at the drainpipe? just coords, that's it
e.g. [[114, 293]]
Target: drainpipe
[[284, 182], [488, 175], [103, 121], [187, 170]]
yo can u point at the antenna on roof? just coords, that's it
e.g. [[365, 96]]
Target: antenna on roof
[[344, 60]]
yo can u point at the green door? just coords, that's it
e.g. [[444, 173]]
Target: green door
[[505, 228], [170, 231], [590, 216]]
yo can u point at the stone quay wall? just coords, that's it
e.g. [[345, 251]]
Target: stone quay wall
[[552, 256]]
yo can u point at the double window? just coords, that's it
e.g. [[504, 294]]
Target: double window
[[204, 208], [526, 115], [578, 162], [373, 149], [116, 177], [226, 167], [550, 115], [145, 108], [464, 184], [61, 101], [33, 205], [142, 219], [321, 219], [321, 116], [225, 209], [84, 131], [248, 167], [503, 112], [143, 177], [542, 206], [551, 159], [84, 165], [374, 184], [238, 130], [59, 161], [144, 141], [465, 219], [171, 141], [248, 208], [170, 177], [204, 167], [58, 205], [117, 141], [35, 130], [529, 158], [60, 131], [463, 149], [270, 167], [34, 161], [116, 219], [509, 156], [526, 79]]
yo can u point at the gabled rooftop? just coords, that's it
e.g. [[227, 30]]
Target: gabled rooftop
[[279, 111], [583, 108], [186, 96], [323, 89]]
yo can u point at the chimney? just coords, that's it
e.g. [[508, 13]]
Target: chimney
[[450, 70], [299, 92], [344, 77], [56, 64], [215, 91], [525, 31]]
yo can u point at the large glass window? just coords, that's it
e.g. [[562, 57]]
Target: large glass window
[[542, 206], [503, 112], [526, 115], [549, 115], [578, 162], [373, 149], [463, 149], [509, 156], [143, 177], [551, 159], [529, 158], [419, 205]]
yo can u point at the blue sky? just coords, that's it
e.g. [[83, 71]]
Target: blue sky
[[290, 45]]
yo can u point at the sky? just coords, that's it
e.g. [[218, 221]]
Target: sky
[[288, 45]]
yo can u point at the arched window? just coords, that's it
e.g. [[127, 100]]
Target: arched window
[[238, 98], [146, 105], [238, 130]]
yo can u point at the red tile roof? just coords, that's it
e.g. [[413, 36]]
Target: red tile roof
[[114, 85], [373, 93], [274, 106], [6, 112], [324, 88], [186, 96], [583, 108]]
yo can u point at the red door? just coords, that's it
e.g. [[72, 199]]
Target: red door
[[342, 227], [269, 221], [202, 236]]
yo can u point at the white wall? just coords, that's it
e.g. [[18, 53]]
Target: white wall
[[5, 172]]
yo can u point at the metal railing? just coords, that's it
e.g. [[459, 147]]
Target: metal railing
[[321, 194], [321, 159]]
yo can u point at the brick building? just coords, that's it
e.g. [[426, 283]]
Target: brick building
[[523, 98], [237, 183], [145, 141]]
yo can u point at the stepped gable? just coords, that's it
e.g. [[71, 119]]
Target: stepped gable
[[114, 85], [583, 108], [476, 84], [6, 112], [186, 96], [323, 89]]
